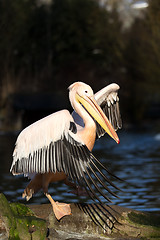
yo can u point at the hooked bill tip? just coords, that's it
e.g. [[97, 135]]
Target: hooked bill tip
[[118, 141]]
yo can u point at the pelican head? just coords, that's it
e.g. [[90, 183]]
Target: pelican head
[[82, 93]]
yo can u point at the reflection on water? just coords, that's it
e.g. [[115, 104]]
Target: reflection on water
[[136, 160]]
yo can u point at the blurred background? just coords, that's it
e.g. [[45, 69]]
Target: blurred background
[[45, 45]]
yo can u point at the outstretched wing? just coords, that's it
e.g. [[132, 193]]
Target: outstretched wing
[[108, 100], [52, 145]]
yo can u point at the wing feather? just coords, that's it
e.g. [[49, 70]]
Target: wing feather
[[108, 100]]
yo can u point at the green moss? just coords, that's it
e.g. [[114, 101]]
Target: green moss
[[145, 219], [7, 216], [14, 236], [19, 209], [148, 224], [21, 222]]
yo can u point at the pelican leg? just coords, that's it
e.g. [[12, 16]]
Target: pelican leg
[[60, 209], [77, 190], [34, 186]]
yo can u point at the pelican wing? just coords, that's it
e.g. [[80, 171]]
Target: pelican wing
[[108, 99], [52, 145], [34, 142]]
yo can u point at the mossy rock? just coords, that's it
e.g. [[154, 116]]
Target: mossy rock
[[20, 209], [145, 219], [90, 220], [117, 222], [20, 222], [148, 223]]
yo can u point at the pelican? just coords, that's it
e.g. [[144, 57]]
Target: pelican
[[58, 147]]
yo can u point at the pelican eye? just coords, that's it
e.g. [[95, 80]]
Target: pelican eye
[[86, 91]]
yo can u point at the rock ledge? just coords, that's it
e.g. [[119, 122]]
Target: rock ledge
[[88, 221]]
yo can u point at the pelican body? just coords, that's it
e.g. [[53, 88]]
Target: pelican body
[[58, 147]]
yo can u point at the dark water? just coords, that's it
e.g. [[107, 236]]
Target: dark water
[[136, 160]]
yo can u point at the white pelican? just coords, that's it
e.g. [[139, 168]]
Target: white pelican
[[58, 147]]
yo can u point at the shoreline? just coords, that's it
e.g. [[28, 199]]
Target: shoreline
[[88, 221]]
